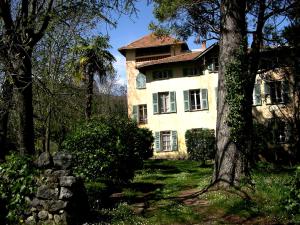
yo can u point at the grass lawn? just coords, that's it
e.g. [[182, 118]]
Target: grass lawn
[[167, 192]]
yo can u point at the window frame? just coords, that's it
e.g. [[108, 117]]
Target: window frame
[[166, 105], [188, 100], [280, 129], [140, 81], [276, 92], [136, 109], [165, 145]]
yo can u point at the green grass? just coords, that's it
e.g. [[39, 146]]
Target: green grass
[[158, 195]]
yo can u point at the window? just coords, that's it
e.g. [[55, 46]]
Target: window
[[276, 92], [281, 130], [212, 65], [256, 94], [139, 114], [140, 81], [192, 71], [195, 99], [165, 141], [164, 74], [164, 102]]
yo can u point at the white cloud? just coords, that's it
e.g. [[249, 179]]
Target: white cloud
[[120, 66]]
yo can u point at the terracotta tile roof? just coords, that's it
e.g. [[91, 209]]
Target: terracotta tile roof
[[177, 58], [151, 40]]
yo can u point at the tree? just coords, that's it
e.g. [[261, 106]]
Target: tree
[[207, 20], [23, 24], [231, 161], [5, 105], [94, 58]]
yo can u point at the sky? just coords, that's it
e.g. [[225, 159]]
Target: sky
[[128, 30]]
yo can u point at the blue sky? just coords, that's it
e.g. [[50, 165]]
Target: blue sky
[[128, 30]]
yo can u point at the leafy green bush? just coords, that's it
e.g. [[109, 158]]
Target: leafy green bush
[[293, 201], [200, 144], [109, 149], [16, 181]]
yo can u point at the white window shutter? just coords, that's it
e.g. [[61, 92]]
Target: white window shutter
[[186, 99], [157, 141], [174, 139], [257, 94], [204, 99], [155, 103], [135, 113], [172, 101]]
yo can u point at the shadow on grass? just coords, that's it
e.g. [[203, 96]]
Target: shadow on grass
[[164, 169]]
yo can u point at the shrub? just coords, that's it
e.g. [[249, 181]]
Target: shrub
[[16, 181], [200, 144], [293, 201], [109, 149]]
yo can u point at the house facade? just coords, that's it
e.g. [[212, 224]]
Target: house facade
[[172, 89]]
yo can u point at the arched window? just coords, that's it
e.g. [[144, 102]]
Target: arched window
[[140, 81]]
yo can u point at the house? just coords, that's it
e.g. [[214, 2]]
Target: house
[[172, 89]]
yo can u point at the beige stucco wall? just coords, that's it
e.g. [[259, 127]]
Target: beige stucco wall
[[181, 120], [265, 111]]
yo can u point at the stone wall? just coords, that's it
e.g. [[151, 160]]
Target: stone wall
[[60, 197]]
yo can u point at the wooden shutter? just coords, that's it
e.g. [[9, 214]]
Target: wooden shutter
[[204, 99], [155, 103], [135, 113], [157, 141], [186, 99], [172, 101], [257, 94], [174, 140]]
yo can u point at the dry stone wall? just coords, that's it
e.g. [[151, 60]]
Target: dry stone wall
[[60, 197]]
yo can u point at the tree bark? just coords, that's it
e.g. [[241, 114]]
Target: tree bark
[[231, 161], [23, 95], [89, 95], [7, 92]]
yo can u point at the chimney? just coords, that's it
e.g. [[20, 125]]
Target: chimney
[[203, 45]]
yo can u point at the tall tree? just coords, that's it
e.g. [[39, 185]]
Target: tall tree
[[94, 58], [203, 20], [5, 103], [23, 24], [231, 158]]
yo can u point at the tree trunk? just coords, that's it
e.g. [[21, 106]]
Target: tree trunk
[[231, 162], [23, 96], [7, 92], [89, 95]]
